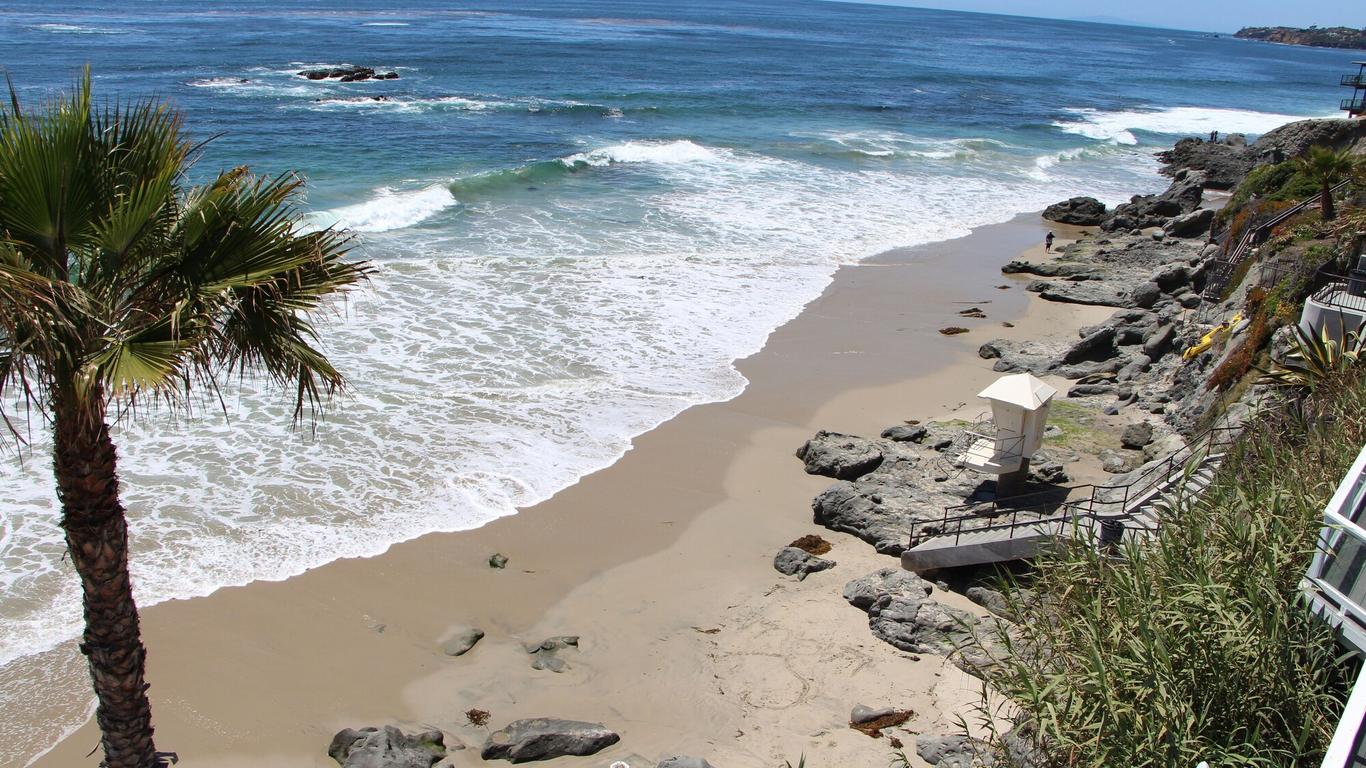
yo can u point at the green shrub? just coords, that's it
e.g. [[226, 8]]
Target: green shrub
[[1197, 645]]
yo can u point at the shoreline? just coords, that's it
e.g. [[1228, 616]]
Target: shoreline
[[865, 352]]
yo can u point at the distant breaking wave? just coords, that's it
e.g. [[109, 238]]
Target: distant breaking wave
[[1118, 127], [386, 211]]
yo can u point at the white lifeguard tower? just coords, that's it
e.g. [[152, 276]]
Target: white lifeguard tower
[[1019, 409]]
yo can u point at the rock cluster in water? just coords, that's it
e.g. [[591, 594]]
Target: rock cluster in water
[[347, 74]]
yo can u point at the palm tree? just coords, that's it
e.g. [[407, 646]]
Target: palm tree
[[1325, 167], [120, 283]]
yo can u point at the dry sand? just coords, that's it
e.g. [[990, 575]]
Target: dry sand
[[691, 642]]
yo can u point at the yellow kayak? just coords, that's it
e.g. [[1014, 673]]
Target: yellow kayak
[[1208, 339]]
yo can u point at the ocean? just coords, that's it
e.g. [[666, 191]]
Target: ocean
[[582, 213]]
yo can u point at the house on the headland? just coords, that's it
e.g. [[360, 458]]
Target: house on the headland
[[1355, 106], [1335, 586]]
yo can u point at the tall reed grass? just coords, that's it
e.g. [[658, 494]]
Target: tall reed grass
[[1196, 645]]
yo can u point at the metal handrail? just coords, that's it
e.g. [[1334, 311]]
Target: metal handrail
[[1134, 496], [1355, 81], [1335, 291], [1352, 105], [1253, 237]]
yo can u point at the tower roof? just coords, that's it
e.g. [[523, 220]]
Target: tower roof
[[1021, 389]]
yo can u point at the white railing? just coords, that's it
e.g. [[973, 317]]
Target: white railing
[[1336, 581]]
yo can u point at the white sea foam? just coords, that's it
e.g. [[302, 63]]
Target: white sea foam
[[77, 29], [645, 152], [386, 24], [389, 209], [1118, 127]]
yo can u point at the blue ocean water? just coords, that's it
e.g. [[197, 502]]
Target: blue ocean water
[[584, 213]]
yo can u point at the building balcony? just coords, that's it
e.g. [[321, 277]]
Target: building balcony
[[1353, 105]]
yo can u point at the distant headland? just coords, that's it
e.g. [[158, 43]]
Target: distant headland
[[1321, 37]]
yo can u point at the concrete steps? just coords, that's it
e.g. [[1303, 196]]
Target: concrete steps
[[1141, 517]]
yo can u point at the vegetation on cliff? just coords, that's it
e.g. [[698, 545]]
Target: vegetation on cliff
[[1196, 645], [1321, 37]]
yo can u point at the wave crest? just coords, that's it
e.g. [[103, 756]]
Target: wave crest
[[387, 210], [1118, 127]]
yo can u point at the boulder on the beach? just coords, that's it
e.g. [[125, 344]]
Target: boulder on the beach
[[541, 738], [462, 641], [863, 592], [1099, 345], [843, 457], [903, 433], [1081, 211], [1143, 211], [683, 762], [792, 561], [1135, 436], [1193, 224], [546, 654], [386, 748], [498, 560], [861, 714], [953, 751]]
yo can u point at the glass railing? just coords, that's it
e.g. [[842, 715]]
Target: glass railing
[[1336, 581], [1355, 81], [1353, 105]]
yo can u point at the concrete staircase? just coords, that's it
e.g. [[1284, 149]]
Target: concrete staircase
[[1139, 512]]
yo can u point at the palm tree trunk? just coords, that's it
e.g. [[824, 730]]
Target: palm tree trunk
[[97, 539], [1326, 202]]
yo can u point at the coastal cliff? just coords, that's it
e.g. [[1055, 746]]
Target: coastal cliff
[[1319, 37]]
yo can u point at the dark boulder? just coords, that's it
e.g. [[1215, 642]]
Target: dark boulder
[[843, 457], [791, 561], [1136, 436], [1223, 165], [1193, 224], [903, 433], [1081, 211], [545, 739], [386, 748], [1295, 139]]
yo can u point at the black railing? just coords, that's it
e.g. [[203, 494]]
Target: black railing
[[1353, 105], [1107, 502], [1354, 81], [1223, 271], [1341, 291]]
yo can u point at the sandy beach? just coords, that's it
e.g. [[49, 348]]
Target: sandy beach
[[690, 642]]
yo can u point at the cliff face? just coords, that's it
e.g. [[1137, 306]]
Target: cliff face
[[1322, 37]]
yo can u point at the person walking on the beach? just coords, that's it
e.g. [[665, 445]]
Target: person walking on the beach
[[1048, 242]]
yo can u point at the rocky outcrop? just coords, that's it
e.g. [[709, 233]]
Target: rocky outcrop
[[840, 456], [1143, 211], [863, 592], [911, 485], [386, 747], [1317, 37], [352, 74], [1081, 211], [792, 561], [1295, 139], [1193, 224], [1220, 164], [523, 741]]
